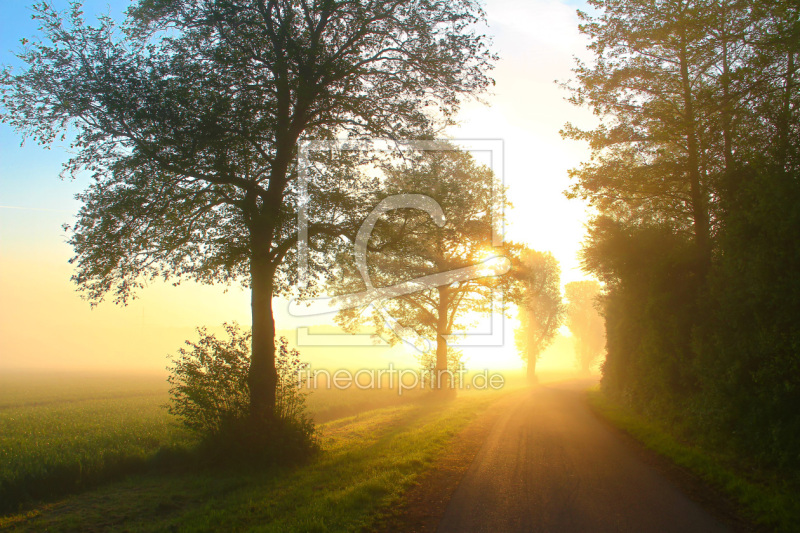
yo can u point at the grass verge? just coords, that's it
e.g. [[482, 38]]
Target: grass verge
[[764, 498], [366, 464]]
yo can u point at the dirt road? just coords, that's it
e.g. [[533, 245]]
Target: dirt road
[[549, 465]]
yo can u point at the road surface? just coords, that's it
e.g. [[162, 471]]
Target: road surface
[[549, 465]]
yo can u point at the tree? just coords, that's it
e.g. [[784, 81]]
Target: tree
[[409, 244], [585, 322], [539, 303], [663, 85], [189, 120], [651, 158], [694, 175]]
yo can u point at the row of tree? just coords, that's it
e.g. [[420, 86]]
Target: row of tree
[[695, 176], [188, 118], [542, 311], [408, 244]]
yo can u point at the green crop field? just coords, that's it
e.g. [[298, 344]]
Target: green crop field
[[77, 454], [62, 434]]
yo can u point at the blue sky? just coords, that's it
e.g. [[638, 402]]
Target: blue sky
[[27, 173], [33, 202]]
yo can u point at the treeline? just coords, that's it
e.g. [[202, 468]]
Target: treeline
[[695, 176]]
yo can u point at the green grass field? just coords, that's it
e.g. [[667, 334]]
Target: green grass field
[[78, 453], [61, 433]]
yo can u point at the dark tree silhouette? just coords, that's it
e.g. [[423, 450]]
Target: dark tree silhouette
[[188, 118]]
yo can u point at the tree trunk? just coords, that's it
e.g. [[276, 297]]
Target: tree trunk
[[442, 376], [532, 377], [263, 377], [727, 134], [786, 113], [700, 213]]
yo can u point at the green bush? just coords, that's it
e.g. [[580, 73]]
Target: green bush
[[209, 393]]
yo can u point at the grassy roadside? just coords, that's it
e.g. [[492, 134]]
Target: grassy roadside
[[764, 498], [366, 464]]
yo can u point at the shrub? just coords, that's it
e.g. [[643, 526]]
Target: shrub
[[428, 372], [209, 393]]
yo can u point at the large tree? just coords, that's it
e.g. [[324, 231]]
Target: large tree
[[413, 243], [652, 157], [694, 176], [189, 119], [656, 167]]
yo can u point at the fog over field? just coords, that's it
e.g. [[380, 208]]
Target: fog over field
[[381, 266], [525, 110]]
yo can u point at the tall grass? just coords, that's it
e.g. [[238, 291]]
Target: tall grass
[[53, 447]]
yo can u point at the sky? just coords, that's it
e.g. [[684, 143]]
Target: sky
[[44, 323]]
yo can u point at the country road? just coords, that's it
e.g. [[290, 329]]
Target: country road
[[549, 465]]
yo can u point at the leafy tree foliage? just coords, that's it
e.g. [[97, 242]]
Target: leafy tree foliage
[[538, 297], [650, 308], [585, 322], [695, 175], [648, 161], [407, 244], [189, 115], [748, 343]]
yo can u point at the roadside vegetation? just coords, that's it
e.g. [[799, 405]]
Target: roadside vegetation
[[767, 498], [694, 181], [365, 464]]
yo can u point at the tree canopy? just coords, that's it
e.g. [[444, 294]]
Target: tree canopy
[[694, 176], [540, 309], [408, 244], [188, 118]]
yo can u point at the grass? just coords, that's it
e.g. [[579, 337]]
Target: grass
[[330, 404], [19, 388], [65, 439], [763, 497], [366, 463], [64, 432]]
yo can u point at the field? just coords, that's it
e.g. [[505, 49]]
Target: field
[[90, 452], [61, 433]]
